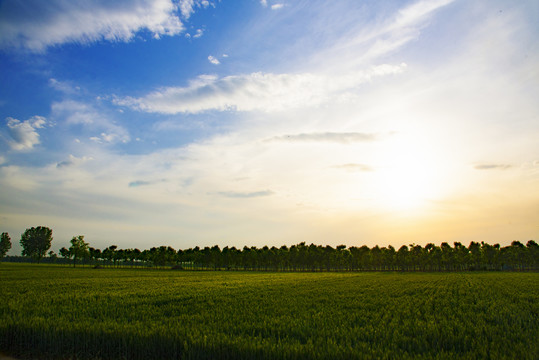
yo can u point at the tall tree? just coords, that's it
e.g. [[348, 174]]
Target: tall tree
[[79, 248], [36, 241], [5, 244]]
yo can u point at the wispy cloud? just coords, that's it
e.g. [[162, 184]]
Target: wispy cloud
[[36, 25], [364, 43], [352, 167], [256, 91], [109, 138], [341, 138], [63, 86], [492, 167], [245, 195], [94, 121], [23, 134], [277, 6]]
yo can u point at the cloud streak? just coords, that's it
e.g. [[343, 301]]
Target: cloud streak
[[73, 161], [36, 25], [331, 137], [352, 167], [492, 167], [245, 195], [256, 92], [363, 44]]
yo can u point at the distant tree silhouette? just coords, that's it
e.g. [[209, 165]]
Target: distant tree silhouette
[[303, 257]]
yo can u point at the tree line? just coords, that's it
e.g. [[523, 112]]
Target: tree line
[[301, 257]]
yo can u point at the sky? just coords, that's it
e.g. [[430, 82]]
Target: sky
[[193, 123]]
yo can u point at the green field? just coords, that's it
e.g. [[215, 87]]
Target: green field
[[54, 312]]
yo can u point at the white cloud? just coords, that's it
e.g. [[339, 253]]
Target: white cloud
[[256, 91], [213, 60], [24, 135], [276, 6], [93, 120], [264, 3], [36, 24], [2, 160], [187, 7], [198, 33]]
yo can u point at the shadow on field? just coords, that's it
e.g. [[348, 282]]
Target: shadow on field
[[25, 343]]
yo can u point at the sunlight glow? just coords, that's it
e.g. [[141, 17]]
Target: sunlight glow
[[407, 177]]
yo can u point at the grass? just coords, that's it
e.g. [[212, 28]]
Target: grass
[[53, 312]]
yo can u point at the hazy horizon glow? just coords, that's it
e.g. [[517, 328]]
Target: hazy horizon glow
[[194, 123]]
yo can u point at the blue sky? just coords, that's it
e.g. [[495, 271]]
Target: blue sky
[[184, 123]]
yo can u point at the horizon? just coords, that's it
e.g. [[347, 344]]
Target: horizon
[[199, 123]]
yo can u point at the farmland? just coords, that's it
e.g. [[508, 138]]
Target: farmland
[[55, 312]]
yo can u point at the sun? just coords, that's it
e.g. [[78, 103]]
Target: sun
[[404, 185], [407, 176]]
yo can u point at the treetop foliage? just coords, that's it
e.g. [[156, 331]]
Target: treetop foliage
[[36, 241]]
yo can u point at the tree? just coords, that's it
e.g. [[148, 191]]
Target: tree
[[79, 248], [402, 258], [475, 255], [36, 241], [53, 256], [5, 244], [448, 258], [533, 254], [110, 253], [64, 253]]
